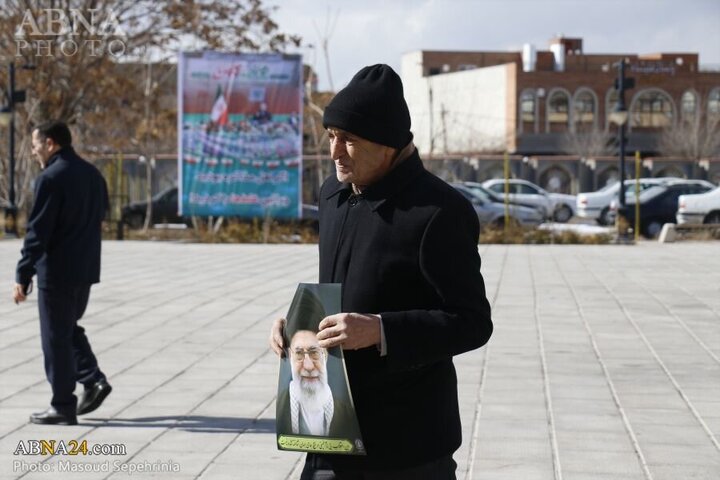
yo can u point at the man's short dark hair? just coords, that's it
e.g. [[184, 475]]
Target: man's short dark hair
[[57, 131]]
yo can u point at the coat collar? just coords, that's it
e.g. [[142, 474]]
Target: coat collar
[[64, 153], [384, 189]]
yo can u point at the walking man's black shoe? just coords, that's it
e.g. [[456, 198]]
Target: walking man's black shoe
[[53, 417], [93, 397]]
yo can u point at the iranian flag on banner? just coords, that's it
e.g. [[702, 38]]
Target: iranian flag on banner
[[219, 112]]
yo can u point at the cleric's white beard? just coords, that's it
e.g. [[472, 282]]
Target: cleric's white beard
[[312, 395]]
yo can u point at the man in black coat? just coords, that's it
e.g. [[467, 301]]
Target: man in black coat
[[62, 246], [403, 243]]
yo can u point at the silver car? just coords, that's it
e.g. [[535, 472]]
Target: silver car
[[491, 210], [558, 206]]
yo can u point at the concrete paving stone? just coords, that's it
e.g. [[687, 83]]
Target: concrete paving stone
[[160, 476], [644, 392], [601, 462], [662, 399], [508, 469], [498, 429], [249, 472], [128, 434], [584, 406], [256, 446], [525, 449], [557, 365], [684, 472], [663, 416], [587, 441], [190, 462], [670, 434], [513, 412], [679, 454], [505, 383], [630, 374], [177, 439], [588, 422], [713, 424], [583, 475], [571, 392], [710, 400]]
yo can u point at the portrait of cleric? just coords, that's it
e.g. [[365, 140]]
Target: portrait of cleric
[[313, 395]]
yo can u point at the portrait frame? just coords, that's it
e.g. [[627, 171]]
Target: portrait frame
[[310, 304]]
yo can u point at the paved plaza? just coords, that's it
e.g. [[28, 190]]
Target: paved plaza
[[604, 364]]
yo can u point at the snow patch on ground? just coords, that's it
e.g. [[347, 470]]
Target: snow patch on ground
[[579, 228]]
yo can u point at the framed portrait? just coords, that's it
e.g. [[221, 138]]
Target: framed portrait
[[315, 410]]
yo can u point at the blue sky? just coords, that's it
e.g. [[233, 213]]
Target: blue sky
[[380, 31]]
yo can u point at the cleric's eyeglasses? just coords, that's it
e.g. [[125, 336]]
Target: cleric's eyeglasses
[[299, 354]]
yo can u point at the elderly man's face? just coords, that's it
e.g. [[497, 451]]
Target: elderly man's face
[[308, 361], [358, 161]]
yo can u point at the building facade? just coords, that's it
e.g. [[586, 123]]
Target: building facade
[[550, 110]]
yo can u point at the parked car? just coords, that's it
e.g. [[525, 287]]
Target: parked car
[[164, 210], [699, 208], [165, 207], [596, 205], [658, 205], [558, 206], [478, 188], [491, 210]]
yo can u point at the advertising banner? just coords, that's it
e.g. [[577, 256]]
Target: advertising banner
[[239, 135]]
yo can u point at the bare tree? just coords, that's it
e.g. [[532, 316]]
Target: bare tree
[[316, 103], [692, 139], [589, 144], [313, 115], [330, 24]]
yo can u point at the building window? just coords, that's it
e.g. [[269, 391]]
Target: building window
[[688, 105], [528, 112], [651, 109], [584, 106], [713, 108], [558, 111], [466, 66]]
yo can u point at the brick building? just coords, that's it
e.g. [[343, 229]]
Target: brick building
[[549, 110]]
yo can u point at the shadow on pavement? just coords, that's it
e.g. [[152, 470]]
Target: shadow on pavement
[[192, 423]]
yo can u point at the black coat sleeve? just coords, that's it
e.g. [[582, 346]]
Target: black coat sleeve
[[40, 227], [450, 264]]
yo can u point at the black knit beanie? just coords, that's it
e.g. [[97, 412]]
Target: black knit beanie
[[372, 106]]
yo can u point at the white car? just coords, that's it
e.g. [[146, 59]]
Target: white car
[[558, 206], [699, 208], [596, 205]]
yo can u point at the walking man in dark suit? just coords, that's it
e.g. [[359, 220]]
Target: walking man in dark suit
[[62, 246]]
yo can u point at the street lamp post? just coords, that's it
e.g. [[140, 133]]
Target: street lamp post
[[7, 118], [619, 116]]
